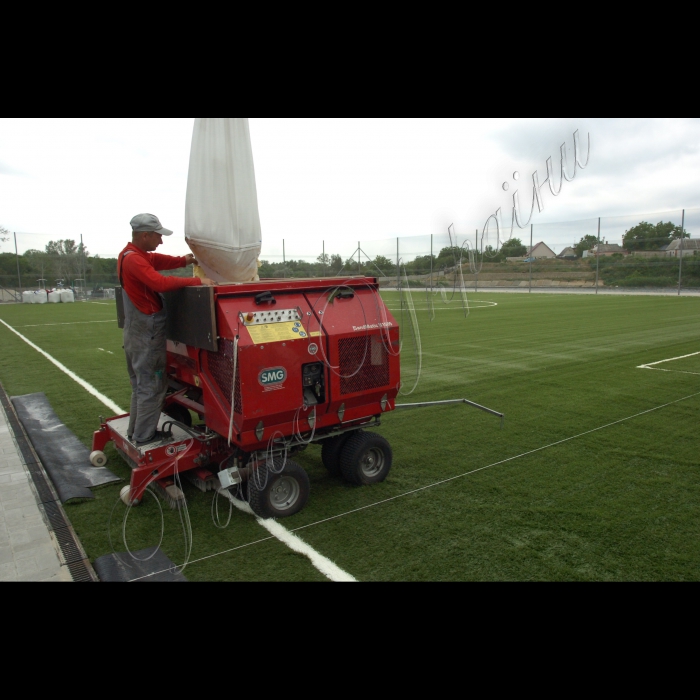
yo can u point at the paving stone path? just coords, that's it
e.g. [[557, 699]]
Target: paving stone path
[[28, 550]]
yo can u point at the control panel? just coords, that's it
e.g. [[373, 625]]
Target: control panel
[[254, 318]]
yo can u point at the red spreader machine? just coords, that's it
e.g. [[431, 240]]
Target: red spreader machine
[[269, 368]]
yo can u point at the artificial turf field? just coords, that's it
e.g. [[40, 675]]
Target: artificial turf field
[[614, 503]]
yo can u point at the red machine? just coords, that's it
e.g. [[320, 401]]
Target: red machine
[[269, 367]]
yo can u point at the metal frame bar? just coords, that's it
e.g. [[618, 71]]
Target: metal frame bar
[[448, 401]]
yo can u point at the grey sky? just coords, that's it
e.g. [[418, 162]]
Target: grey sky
[[344, 180]]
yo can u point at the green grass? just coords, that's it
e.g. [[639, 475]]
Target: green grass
[[615, 504]]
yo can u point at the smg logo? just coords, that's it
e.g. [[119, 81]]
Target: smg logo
[[273, 375]]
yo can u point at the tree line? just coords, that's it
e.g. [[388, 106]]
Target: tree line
[[67, 260], [61, 262]]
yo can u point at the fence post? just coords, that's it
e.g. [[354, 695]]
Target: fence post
[[597, 258], [431, 262], [476, 260], [323, 257], [359, 259], [82, 258], [680, 262], [398, 273], [529, 290], [19, 276], [284, 260]]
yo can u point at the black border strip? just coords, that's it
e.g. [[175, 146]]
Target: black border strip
[[57, 521]]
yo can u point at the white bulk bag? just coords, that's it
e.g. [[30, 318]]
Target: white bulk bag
[[222, 223], [28, 297], [54, 297], [40, 297], [67, 296]]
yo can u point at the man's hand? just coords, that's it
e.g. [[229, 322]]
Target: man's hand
[[207, 282], [190, 260]]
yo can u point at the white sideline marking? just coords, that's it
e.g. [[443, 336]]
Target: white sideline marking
[[649, 365], [472, 305], [67, 323], [103, 350], [323, 564], [88, 387]]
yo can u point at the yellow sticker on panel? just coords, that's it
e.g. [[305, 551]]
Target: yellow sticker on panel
[[276, 332]]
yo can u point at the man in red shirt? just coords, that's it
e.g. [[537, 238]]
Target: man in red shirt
[[144, 321]]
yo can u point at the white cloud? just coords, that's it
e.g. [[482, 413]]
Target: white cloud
[[338, 180]]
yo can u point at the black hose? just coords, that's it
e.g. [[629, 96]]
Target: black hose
[[184, 427]]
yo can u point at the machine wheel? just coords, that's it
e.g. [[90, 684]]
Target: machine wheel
[[366, 458], [278, 495], [178, 413], [330, 452], [124, 495], [98, 458]]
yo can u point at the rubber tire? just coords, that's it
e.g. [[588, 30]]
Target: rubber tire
[[98, 458], [261, 487], [331, 449], [179, 413], [357, 451]]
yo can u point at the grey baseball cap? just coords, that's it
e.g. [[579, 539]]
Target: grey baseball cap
[[149, 222]]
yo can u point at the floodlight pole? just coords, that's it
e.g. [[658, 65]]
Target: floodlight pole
[[19, 277], [597, 258], [680, 261]]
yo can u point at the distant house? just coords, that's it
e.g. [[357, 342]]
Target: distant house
[[690, 246], [567, 254], [540, 250]]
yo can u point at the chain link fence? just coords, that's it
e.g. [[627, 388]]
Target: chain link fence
[[657, 252]]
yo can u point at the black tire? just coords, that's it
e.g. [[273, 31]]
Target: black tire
[[330, 452], [179, 413], [365, 459], [278, 493]]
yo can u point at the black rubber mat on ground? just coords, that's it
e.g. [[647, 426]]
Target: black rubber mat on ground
[[65, 459], [123, 567]]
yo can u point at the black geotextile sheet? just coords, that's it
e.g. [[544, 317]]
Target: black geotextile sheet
[[123, 567], [65, 459]]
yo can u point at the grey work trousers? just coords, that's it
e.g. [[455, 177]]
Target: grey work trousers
[[146, 358]]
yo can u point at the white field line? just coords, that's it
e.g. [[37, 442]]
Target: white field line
[[445, 481], [88, 387], [425, 307], [68, 323], [324, 565], [649, 365], [103, 350]]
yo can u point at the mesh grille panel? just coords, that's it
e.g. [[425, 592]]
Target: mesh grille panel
[[220, 365], [371, 353]]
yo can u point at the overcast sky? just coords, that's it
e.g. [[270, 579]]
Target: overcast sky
[[344, 180]]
